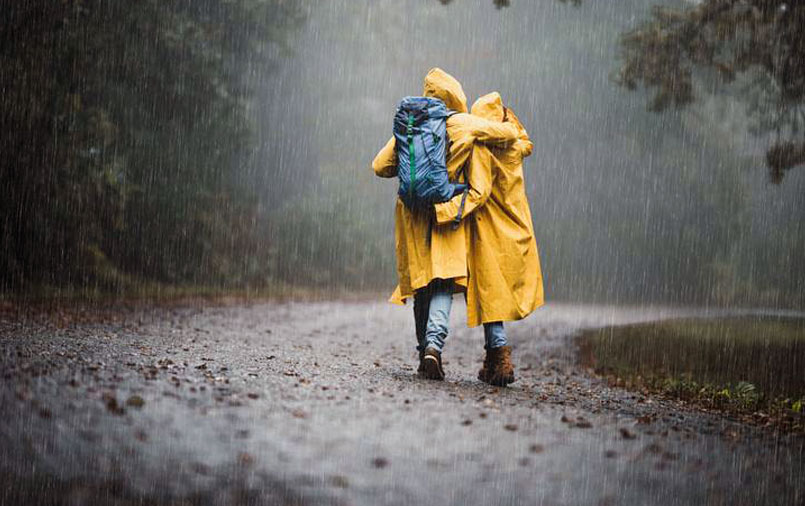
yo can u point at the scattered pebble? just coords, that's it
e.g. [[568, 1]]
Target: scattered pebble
[[339, 481], [245, 459], [200, 468], [653, 448], [135, 401], [112, 404]]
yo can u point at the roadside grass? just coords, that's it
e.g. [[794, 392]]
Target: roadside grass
[[751, 367], [147, 294]]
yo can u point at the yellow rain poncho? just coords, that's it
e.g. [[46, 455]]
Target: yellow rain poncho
[[445, 257], [505, 281]]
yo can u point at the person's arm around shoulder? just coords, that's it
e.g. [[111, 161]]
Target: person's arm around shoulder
[[480, 180], [492, 132], [523, 143], [385, 163]]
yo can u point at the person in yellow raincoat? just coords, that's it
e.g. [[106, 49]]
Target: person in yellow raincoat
[[432, 258], [505, 279]]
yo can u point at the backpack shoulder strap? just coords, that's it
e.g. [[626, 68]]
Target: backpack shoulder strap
[[457, 219]]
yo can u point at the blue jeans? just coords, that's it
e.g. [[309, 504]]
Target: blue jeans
[[495, 335], [432, 314]]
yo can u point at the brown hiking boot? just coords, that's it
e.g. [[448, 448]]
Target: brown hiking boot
[[432, 364], [497, 369], [486, 368], [421, 362]]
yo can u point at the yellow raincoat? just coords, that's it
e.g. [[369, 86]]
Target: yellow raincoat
[[505, 281], [418, 262]]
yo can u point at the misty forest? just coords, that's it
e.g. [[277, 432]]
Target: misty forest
[[227, 144], [196, 257]]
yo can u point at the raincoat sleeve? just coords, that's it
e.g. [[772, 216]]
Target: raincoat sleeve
[[524, 147], [493, 132], [480, 179], [385, 163], [523, 143]]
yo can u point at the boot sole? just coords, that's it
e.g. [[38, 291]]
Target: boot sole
[[496, 381], [430, 368], [501, 382]]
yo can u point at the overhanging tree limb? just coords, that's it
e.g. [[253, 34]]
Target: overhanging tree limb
[[729, 38]]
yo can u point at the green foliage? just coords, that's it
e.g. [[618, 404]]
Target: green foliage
[[331, 238], [127, 137], [757, 42], [742, 396], [747, 357], [747, 366]]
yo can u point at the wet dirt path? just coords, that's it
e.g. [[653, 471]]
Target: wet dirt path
[[318, 403]]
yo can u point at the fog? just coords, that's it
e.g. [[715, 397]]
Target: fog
[[209, 145], [628, 205]]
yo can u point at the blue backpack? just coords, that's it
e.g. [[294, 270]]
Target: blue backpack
[[420, 131]]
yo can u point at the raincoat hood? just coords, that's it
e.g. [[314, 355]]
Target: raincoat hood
[[490, 107], [439, 84]]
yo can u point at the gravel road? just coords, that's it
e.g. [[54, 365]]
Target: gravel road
[[319, 403]]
